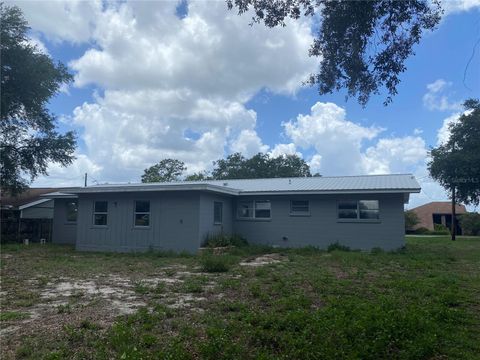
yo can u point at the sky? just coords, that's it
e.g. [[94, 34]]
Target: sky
[[194, 81]]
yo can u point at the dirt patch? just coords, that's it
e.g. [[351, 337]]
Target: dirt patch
[[264, 260]]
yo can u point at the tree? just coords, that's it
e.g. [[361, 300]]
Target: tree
[[165, 171], [201, 175], [29, 141], [363, 45], [456, 163], [470, 223], [236, 166], [411, 219]]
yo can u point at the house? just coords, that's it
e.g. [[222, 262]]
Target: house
[[437, 212], [27, 215], [362, 212]]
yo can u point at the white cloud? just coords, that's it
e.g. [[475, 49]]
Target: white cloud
[[339, 144], [284, 149], [172, 87], [457, 6], [443, 133], [248, 143], [70, 176], [436, 98], [62, 20]]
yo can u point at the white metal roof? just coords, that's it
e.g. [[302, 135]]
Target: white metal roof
[[401, 183], [33, 203]]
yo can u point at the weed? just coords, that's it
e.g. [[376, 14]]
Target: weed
[[337, 247], [215, 263], [13, 315]]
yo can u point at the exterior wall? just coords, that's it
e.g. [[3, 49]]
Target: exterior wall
[[207, 225], [174, 222], [40, 211], [64, 232], [322, 227], [425, 213]]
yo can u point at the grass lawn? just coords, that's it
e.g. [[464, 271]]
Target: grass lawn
[[422, 302]]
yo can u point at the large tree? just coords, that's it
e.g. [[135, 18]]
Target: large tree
[[165, 171], [455, 164], [236, 166], [29, 140], [362, 45]]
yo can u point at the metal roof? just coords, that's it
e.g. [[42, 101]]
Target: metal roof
[[400, 183]]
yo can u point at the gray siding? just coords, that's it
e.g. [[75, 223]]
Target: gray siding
[[64, 232], [40, 211], [207, 225], [322, 227], [174, 222]]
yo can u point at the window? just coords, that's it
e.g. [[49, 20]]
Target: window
[[100, 213], [71, 211], [368, 209], [254, 209], [359, 210], [217, 212], [299, 207], [142, 213]]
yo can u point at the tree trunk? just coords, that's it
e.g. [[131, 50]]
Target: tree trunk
[[453, 225]]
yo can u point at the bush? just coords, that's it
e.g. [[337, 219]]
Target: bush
[[337, 246], [470, 223], [422, 231], [215, 263], [223, 240], [440, 229]]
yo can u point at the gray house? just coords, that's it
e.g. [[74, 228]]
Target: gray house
[[362, 212]]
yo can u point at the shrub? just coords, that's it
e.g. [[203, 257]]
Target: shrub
[[411, 219], [440, 229], [337, 246], [470, 223], [223, 240], [215, 263], [422, 231]]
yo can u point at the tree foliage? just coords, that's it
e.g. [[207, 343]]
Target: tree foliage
[[411, 219], [165, 171], [363, 45], [456, 163], [470, 223], [236, 166], [29, 141]]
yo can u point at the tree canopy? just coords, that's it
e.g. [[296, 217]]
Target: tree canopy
[[235, 166], [362, 45], [29, 141], [456, 163], [165, 171]]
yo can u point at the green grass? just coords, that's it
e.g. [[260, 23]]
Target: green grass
[[422, 302], [13, 315]]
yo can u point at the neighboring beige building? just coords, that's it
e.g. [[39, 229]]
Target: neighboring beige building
[[437, 212]]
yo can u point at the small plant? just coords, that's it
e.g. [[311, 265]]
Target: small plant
[[13, 315], [337, 247], [223, 240], [215, 263], [141, 288], [64, 309], [192, 286]]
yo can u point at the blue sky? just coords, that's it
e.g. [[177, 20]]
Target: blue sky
[[153, 80]]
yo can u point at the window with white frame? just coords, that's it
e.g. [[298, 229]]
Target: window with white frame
[[142, 213], [299, 207], [100, 213], [217, 212], [260, 209], [359, 210], [72, 211]]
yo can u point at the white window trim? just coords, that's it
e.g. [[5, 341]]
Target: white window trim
[[221, 213], [254, 208], [358, 219], [99, 213], [299, 213], [141, 213]]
